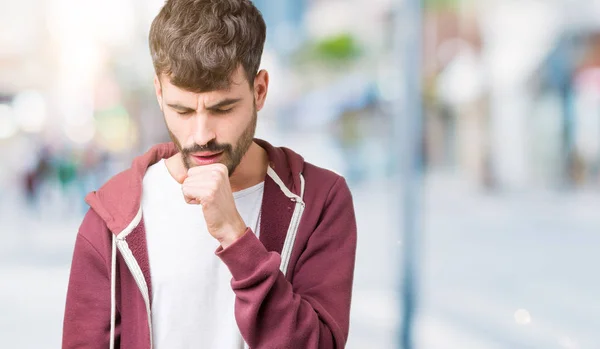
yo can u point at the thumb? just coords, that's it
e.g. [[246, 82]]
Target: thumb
[[191, 201], [180, 177]]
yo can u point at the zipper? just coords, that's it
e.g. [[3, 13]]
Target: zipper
[[138, 276], [290, 239]]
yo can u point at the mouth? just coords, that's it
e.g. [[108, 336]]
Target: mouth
[[206, 158]]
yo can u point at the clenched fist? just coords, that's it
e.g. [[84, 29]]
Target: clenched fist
[[209, 187]]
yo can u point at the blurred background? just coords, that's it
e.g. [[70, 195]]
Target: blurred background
[[503, 172]]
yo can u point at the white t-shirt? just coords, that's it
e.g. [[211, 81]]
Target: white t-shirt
[[192, 299]]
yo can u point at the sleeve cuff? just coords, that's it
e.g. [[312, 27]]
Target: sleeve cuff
[[244, 256]]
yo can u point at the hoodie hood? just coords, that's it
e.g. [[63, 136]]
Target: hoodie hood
[[118, 201]]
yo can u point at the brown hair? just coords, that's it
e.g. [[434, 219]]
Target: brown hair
[[199, 44]]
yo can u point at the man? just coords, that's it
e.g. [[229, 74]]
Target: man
[[145, 273]]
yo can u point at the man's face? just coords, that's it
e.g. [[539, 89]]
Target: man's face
[[210, 127]]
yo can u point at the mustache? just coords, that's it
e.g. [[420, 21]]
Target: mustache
[[210, 146]]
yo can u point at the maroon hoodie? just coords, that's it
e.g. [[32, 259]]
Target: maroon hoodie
[[304, 305]]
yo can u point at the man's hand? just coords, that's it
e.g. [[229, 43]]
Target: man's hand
[[209, 187]]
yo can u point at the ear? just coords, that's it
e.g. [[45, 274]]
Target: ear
[[158, 90], [261, 87]]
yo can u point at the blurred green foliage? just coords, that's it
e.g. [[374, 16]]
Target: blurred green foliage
[[441, 4], [337, 49]]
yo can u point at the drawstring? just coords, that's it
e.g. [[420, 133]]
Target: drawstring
[[113, 274], [283, 187], [119, 243]]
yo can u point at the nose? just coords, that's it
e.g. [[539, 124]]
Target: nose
[[203, 132]]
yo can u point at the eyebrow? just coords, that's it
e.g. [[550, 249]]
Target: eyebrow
[[180, 107], [221, 104]]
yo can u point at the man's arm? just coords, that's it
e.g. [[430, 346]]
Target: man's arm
[[314, 312], [87, 312]]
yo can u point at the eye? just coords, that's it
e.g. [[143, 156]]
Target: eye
[[184, 113], [222, 111]]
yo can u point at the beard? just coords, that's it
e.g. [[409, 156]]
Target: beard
[[231, 155]]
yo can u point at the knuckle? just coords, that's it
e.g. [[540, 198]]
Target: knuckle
[[221, 168]]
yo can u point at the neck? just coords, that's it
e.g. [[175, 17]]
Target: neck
[[250, 171]]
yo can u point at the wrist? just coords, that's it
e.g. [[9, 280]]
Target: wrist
[[233, 234]]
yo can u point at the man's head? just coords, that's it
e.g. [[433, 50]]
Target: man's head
[[206, 54]]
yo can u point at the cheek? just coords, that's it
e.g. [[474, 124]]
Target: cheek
[[238, 125], [179, 127], [226, 128]]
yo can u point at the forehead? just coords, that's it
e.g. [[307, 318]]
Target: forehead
[[238, 84]]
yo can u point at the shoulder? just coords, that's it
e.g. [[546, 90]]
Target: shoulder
[[94, 233], [320, 173], [323, 184]]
